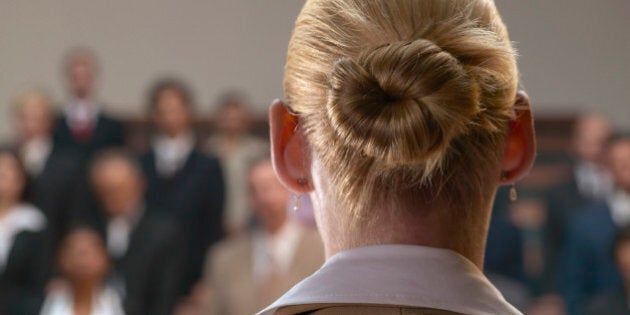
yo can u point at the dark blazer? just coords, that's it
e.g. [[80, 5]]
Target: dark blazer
[[150, 272], [152, 267], [22, 279], [108, 132], [588, 267], [194, 198], [54, 189], [613, 303]]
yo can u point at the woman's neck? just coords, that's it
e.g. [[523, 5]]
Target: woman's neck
[[431, 230], [6, 206], [83, 299]]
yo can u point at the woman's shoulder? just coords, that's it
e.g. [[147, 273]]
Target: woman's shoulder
[[352, 309]]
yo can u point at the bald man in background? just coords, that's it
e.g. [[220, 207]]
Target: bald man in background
[[244, 274]]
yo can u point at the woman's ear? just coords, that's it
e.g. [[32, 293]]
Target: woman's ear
[[520, 148], [289, 151]]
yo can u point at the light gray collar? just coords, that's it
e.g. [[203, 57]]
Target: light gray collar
[[401, 275]]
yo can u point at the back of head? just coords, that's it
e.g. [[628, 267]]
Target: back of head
[[401, 100]]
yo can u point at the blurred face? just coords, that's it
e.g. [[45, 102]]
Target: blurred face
[[170, 115], [83, 258], [233, 119], [619, 159], [81, 74], [34, 117], [268, 196], [591, 133], [118, 186], [12, 179]]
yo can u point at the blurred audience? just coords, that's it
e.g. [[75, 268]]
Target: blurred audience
[[235, 147], [23, 261], [154, 220], [53, 172], [182, 181], [615, 302], [146, 249], [589, 181], [589, 266], [83, 126], [245, 273], [84, 264]]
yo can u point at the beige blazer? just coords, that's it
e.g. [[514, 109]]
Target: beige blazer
[[229, 274], [352, 309]]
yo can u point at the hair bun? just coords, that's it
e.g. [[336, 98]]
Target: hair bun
[[402, 103]]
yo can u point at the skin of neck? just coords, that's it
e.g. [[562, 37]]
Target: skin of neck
[[83, 293], [6, 204], [436, 228]]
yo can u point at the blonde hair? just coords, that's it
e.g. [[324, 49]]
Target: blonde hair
[[403, 101]]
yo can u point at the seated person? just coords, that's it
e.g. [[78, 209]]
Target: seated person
[[248, 272], [23, 251], [146, 250], [84, 265]]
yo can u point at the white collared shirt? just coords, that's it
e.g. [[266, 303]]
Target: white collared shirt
[[171, 153], [400, 275], [275, 252], [619, 204], [592, 181], [61, 302], [22, 217], [119, 233], [81, 113], [35, 153]]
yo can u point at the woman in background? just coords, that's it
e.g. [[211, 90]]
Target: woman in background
[[84, 264], [23, 263], [401, 119]]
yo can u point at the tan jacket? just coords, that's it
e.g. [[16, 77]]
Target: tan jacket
[[229, 274], [357, 309]]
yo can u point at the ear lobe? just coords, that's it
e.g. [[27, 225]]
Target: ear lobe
[[520, 148], [289, 152]]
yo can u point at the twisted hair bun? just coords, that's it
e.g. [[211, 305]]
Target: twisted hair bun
[[402, 103]]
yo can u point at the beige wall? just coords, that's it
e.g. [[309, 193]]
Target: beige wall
[[574, 52]]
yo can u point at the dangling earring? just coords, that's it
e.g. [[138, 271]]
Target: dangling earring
[[296, 203], [296, 198], [513, 193]]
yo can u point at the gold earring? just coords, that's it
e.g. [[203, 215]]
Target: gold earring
[[513, 193]]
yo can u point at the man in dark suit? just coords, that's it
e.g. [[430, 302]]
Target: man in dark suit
[[83, 126], [53, 172], [183, 182], [146, 249], [589, 267]]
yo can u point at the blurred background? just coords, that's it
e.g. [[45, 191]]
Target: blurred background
[[176, 95]]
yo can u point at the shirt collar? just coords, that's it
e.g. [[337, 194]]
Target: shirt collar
[[401, 275], [22, 217], [619, 204]]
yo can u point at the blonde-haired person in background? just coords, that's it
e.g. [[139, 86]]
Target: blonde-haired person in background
[[402, 117]]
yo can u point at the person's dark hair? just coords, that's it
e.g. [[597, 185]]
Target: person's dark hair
[[21, 168], [617, 137], [174, 84]]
